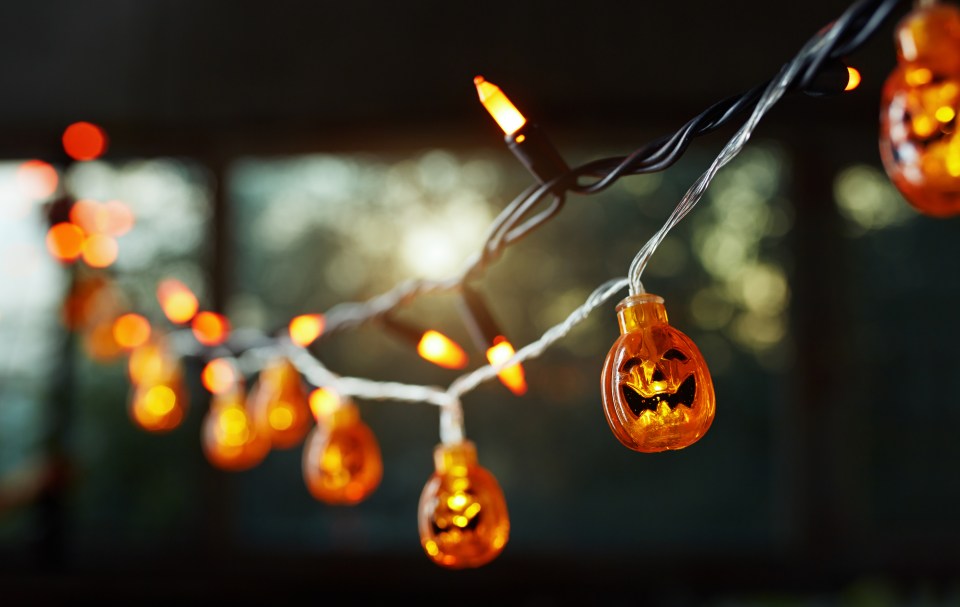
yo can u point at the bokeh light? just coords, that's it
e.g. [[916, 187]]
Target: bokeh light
[[84, 141], [210, 328], [178, 302], [306, 328], [131, 331], [65, 241], [100, 251], [218, 376], [37, 179]]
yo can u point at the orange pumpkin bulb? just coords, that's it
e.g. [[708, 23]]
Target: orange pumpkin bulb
[[341, 459], [279, 405], [230, 439], [657, 391], [158, 401], [919, 142], [463, 517]]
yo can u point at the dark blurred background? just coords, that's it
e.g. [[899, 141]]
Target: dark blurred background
[[282, 157]]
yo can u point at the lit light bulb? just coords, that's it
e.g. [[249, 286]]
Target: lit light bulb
[[230, 439], [278, 402], [919, 142], [159, 401], [506, 114], [341, 457], [219, 375], [441, 350], [512, 376], [657, 391], [306, 328], [84, 141], [463, 517], [210, 328], [525, 140], [178, 302], [131, 331]]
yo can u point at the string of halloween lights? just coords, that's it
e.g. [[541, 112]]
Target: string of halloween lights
[[656, 388]]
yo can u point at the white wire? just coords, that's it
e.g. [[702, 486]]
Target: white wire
[[449, 400], [774, 91]]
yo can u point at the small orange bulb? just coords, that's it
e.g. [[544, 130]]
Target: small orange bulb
[[512, 377], [230, 440], [463, 517], [306, 328], [278, 402], [159, 401], [210, 328], [131, 331], [500, 107], [441, 350], [99, 251], [853, 78], [219, 376], [341, 458], [657, 391], [323, 402], [37, 180], [178, 302], [919, 139], [65, 241], [84, 141]]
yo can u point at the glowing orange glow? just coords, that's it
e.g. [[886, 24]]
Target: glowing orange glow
[[36, 179], [462, 516], [159, 407], [65, 241], [152, 363], [131, 331], [512, 377], [341, 459], [853, 80], [100, 251], [113, 218], [323, 402], [279, 405], [84, 141], [218, 376], [500, 107], [100, 344], [210, 328], [306, 328], [230, 440], [178, 302], [441, 350]]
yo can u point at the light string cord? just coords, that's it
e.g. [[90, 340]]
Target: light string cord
[[515, 221]]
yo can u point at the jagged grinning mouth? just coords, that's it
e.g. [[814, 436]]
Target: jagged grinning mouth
[[684, 395]]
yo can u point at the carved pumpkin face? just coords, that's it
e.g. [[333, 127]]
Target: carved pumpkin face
[[657, 391], [919, 140], [463, 517]]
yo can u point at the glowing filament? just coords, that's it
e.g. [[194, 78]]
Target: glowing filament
[[500, 107], [441, 350]]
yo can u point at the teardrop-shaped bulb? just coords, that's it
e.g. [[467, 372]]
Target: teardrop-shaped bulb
[[278, 402], [341, 458], [463, 517], [230, 440]]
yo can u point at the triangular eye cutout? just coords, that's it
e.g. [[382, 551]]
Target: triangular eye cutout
[[674, 354]]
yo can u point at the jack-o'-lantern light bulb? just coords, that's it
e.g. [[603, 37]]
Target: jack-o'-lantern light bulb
[[230, 438], [278, 402], [341, 457], [657, 391], [158, 402], [463, 517], [919, 142]]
